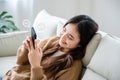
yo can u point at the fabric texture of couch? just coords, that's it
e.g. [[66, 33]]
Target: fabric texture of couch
[[101, 61]]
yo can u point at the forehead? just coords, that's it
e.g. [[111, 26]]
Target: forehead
[[72, 29]]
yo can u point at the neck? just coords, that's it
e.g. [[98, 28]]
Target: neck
[[64, 49]]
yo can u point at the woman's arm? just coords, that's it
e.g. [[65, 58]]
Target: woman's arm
[[37, 74], [35, 56], [71, 73]]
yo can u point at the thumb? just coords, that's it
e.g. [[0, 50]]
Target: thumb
[[37, 43]]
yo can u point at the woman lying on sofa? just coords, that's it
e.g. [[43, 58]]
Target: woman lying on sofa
[[56, 58]]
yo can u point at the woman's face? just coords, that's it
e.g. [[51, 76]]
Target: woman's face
[[70, 37]]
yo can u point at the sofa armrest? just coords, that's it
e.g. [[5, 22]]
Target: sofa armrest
[[9, 42]]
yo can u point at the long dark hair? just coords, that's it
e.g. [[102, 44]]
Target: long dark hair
[[86, 27]]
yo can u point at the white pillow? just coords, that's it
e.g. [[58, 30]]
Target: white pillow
[[46, 25], [106, 60], [91, 75], [59, 27], [44, 31], [10, 42]]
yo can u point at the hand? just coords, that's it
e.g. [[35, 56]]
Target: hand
[[25, 42], [35, 54]]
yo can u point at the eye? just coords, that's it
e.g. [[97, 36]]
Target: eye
[[70, 37]]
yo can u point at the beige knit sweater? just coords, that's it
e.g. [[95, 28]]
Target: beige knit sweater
[[24, 72]]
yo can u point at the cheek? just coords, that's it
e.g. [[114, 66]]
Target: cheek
[[73, 44]]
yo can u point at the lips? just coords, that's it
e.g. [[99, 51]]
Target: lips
[[63, 42]]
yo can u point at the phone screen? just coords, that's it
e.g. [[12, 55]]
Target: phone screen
[[33, 35]]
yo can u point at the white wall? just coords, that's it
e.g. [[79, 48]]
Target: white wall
[[61, 8], [105, 12], [19, 9]]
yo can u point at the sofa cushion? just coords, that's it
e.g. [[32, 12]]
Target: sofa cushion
[[91, 48], [6, 63], [106, 60], [91, 75], [9, 42], [46, 25]]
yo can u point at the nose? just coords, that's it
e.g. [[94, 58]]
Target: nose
[[63, 36]]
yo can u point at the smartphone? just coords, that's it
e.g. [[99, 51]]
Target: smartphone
[[33, 35]]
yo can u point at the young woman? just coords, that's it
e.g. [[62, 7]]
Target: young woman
[[57, 58]]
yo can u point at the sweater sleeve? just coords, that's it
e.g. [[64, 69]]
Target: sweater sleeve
[[37, 74], [71, 73], [22, 56]]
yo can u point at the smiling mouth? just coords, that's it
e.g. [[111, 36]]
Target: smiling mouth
[[63, 42]]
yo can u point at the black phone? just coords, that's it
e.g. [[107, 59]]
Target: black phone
[[33, 35]]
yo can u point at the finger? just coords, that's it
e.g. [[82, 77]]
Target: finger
[[38, 40], [36, 47], [29, 49], [36, 43], [27, 43], [31, 44], [40, 50], [40, 53]]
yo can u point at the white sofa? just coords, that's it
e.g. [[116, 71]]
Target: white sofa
[[8, 46], [101, 61]]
